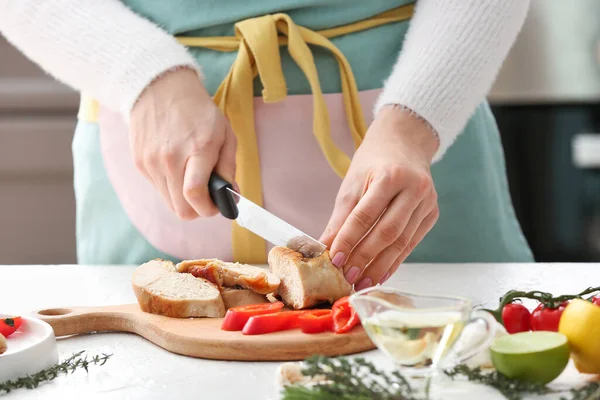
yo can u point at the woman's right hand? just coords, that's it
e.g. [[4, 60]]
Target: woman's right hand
[[179, 137]]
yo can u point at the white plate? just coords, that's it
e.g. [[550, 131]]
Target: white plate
[[31, 349]]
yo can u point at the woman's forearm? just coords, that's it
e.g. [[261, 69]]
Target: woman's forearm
[[450, 58], [98, 47]]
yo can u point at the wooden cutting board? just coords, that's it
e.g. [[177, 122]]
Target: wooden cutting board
[[203, 337]]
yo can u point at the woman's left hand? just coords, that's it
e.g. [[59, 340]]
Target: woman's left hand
[[387, 197]]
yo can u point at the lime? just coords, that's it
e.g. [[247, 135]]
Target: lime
[[538, 356], [580, 323]]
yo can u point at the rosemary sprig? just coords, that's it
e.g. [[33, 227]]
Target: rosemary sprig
[[71, 364], [512, 389], [345, 379], [547, 299]]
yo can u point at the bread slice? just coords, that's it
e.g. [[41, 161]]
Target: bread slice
[[257, 279], [306, 282], [3, 344], [241, 297], [160, 289]]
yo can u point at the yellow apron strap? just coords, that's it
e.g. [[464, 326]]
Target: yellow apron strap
[[257, 42], [260, 36], [88, 109], [239, 109], [302, 55]]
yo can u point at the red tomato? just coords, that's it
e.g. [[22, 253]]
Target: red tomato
[[596, 300], [8, 326], [516, 318], [236, 317], [547, 319], [344, 316], [275, 322], [316, 321]]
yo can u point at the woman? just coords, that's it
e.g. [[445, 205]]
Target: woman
[[366, 135]]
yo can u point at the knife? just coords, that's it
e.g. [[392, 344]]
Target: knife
[[259, 221]]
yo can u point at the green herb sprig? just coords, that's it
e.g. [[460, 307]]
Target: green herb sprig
[[346, 379], [512, 389], [70, 365], [547, 299], [591, 391]]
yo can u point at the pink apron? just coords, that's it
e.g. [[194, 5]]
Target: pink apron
[[299, 186]]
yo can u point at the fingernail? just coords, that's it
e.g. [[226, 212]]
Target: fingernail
[[363, 284], [338, 259], [385, 277], [352, 274]]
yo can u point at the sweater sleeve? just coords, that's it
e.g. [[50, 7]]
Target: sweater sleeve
[[101, 48], [451, 56]]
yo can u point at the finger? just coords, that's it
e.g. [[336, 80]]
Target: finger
[[347, 198], [175, 166], [425, 226], [195, 183], [160, 183], [390, 233], [361, 219], [226, 163]]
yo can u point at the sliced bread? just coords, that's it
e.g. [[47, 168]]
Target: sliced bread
[[241, 297], [3, 344], [257, 279], [306, 282], [160, 289]]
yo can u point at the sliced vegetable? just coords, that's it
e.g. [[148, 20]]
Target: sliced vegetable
[[275, 322], [547, 319], [516, 318], [316, 321], [596, 300], [8, 326], [237, 317], [344, 316]]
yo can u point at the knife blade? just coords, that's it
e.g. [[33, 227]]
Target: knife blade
[[259, 221]]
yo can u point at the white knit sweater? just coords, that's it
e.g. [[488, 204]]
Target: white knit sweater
[[451, 56]]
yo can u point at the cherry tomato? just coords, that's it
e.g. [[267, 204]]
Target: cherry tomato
[[547, 319], [316, 321], [237, 317], [344, 316], [516, 318], [275, 322], [596, 300], [8, 326]]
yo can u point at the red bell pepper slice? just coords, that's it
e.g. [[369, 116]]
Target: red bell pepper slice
[[344, 316], [8, 326], [237, 317], [316, 321], [269, 323]]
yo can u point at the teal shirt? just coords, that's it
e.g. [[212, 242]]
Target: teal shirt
[[477, 222]]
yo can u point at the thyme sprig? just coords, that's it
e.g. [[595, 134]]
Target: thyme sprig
[[358, 379], [70, 365], [512, 389], [344, 379], [547, 299]]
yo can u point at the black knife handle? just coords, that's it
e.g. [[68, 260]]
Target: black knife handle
[[223, 199]]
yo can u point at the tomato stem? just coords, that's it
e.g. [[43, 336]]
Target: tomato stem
[[547, 299]]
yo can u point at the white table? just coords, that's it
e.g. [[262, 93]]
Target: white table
[[141, 370]]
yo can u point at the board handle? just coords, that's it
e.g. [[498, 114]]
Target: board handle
[[76, 320]]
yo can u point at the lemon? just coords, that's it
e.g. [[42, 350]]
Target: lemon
[[538, 356], [580, 323]]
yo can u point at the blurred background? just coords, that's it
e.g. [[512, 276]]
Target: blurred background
[[546, 100]]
